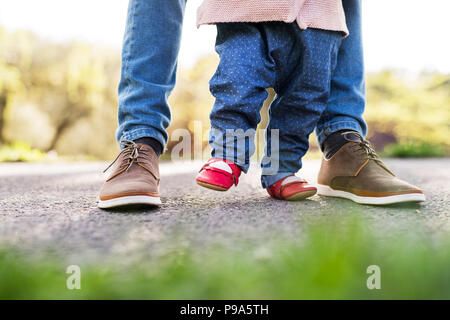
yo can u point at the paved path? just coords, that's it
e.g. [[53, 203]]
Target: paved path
[[52, 208]]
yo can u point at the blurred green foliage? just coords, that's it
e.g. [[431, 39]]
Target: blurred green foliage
[[57, 96], [414, 150], [20, 151], [411, 111], [63, 97], [330, 262]]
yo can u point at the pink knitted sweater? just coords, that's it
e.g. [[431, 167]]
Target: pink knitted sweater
[[320, 14]]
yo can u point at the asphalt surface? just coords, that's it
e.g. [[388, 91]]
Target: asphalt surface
[[51, 208]]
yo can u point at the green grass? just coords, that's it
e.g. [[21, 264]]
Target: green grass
[[330, 263], [414, 150], [20, 152]]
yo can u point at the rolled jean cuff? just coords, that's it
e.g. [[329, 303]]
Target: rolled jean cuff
[[330, 128], [145, 132], [269, 180]]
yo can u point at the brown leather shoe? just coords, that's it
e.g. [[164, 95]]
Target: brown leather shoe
[[357, 173], [134, 178]]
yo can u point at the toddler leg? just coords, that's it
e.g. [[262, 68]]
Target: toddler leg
[[302, 99], [239, 86]]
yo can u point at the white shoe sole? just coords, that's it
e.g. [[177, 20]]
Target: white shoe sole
[[123, 201], [409, 197]]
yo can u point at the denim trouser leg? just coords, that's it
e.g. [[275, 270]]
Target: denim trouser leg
[[299, 104], [149, 60], [239, 87], [297, 64], [347, 97]]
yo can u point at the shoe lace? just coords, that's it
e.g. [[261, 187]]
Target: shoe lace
[[366, 149], [369, 150], [131, 154], [363, 146]]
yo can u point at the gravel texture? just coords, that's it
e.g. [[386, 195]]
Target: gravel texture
[[51, 208]]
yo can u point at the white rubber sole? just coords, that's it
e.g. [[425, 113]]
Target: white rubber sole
[[410, 197], [124, 201]]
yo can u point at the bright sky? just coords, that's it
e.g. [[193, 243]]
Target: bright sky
[[404, 34]]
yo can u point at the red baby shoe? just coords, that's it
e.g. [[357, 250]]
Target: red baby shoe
[[291, 188], [218, 174]]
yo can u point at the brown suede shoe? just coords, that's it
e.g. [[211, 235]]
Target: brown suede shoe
[[356, 172], [134, 178]]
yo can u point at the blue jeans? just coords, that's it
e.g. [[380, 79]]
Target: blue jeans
[[297, 63], [149, 59], [149, 62], [348, 88]]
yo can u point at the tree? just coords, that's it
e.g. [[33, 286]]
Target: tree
[[9, 84], [10, 80], [69, 85]]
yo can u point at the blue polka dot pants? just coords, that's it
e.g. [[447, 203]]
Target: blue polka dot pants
[[297, 64]]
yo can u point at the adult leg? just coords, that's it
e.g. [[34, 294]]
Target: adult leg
[[348, 93], [149, 61], [351, 169]]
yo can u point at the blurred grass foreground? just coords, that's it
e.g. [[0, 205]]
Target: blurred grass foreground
[[62, 97], [330, 262]]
